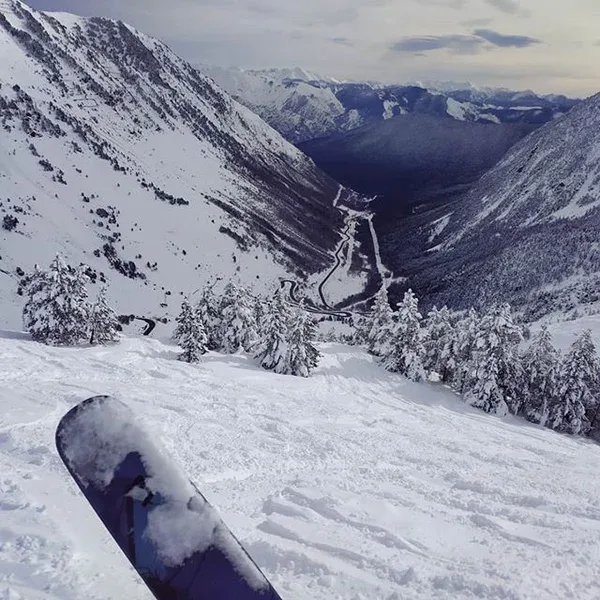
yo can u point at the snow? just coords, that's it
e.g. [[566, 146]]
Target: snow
[[187, 245], [351, 484], [439, 225], [455, 109]]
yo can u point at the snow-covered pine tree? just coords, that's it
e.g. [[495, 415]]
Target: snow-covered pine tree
[[457, 354], [260, 307], [360, 327], [406, 349], [438, 331], [238, 327], [57, 308], [272, 346], [190, 334], [578, 372], [183, 320], [302, 355], [380, 324], [104, 323], [541, 363], [494, 376], [208, 309]]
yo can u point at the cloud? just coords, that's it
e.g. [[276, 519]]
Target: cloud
[[482, 39], [477, 22], [461, 44], [457, 4], [510, 7], [506, 41], [343, 41], [374, 39]]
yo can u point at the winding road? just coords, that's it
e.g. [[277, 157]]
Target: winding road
[[326, 308], [150, 325]]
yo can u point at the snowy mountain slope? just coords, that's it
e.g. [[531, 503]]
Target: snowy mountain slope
[[304, 106], [528, 231], [353, 483], [415, 158], [119, 154]]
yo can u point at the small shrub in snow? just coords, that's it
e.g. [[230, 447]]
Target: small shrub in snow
[[9, 222]]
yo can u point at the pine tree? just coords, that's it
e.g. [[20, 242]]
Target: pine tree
[[272, 347], [438, 332], [457, 354], [238, 327], [494, 376], [361, 328], [208, 309], [183, 320], [57, 308], [260, 307], [190, 333], [541, 362], [302, 355], [104, 323], [380, 323], [578, 377], [406, 347]]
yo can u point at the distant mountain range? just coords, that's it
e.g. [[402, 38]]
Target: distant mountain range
[[303, 106]]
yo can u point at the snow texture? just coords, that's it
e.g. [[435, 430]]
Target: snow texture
[[351, 484]]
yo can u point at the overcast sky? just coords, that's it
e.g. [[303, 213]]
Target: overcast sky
[[545, 45]]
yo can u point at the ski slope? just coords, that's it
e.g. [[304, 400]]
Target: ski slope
[[353, 484]]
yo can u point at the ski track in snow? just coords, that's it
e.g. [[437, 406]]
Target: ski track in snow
[[352, 484]]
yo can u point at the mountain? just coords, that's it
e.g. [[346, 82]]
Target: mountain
[[119, 154], [413, 159], [303, 109], [527, 232]]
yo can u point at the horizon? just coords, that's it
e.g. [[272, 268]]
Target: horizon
[[512, 44]]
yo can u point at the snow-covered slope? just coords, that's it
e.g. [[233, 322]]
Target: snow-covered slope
[[121, 155], [351, 484], [528, 231], [304, 106]]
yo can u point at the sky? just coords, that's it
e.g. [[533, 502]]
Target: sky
[[544, 45]]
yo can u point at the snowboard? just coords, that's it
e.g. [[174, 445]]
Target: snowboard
[[169, 532]]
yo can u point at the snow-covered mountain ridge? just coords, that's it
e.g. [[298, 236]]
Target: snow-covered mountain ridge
[[119, 154], [528, 230], [303, 106]]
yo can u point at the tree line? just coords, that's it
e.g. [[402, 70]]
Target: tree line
[[279, 335], [482, 358], [479, 355]]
